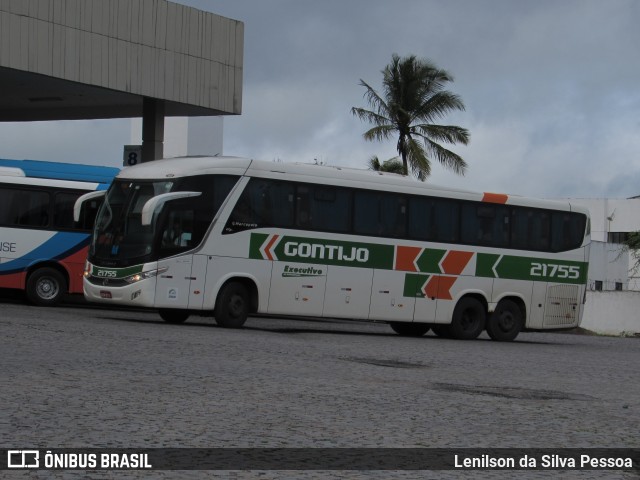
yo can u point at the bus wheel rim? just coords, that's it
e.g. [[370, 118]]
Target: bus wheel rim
[[507, 321], [47, 288]]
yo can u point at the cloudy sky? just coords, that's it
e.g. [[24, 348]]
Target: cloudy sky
[[551, 88]]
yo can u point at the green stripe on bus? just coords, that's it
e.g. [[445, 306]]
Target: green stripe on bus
[[327, 252], [257, 240], [101, 272], [430, 260], [531, 268], [485, 263], [413, 283], [333, 252], [372, 255]]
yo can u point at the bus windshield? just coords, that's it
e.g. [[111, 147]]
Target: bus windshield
[[121, 239]]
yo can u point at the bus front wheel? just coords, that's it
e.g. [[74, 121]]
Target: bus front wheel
[[505, 322], [172, 315], [46, 286], [232, 306], [410, 329]]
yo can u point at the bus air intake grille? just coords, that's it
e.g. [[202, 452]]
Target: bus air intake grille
[[107, 282], [562, 306]]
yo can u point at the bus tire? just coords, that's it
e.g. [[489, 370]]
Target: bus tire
[[441, 330], [506, 322], [232, 305], [468, 320], [410, 329], [173, 315], [46, 286]]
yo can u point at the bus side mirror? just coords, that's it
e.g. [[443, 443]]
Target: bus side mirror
[[158, 201], [77, 207]]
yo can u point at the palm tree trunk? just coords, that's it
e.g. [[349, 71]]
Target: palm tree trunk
[[403, 154]]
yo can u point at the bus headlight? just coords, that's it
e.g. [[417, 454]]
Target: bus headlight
[[144, 275]]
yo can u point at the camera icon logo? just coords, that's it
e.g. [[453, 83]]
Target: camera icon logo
[[23, 458]]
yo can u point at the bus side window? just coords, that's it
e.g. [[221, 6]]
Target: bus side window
[[264, 203], [485, 224], [31, 208], [6, 214], [380, 214], [178, 231], [530, 229], [303, 207], [322, 208], [63, 209], [567, 231], [447, 220]]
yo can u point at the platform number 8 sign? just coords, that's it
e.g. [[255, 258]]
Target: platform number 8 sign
[[132, 155]]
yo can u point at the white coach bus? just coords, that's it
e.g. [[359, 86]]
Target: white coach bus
[[230, 237]]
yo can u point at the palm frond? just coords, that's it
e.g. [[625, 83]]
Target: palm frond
[[437, 105], [382, 132], [447, 158], [374, 99], [417, 158], [370, 116], [442, 133]]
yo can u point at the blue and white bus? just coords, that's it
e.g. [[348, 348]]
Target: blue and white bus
[[42, 248]]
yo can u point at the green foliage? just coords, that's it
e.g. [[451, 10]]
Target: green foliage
[[393, 165], [413, 97], [632, 244]]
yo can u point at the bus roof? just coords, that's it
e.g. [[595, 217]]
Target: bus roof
[[62, 171], [333, 175]]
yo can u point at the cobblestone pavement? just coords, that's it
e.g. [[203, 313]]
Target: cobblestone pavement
[[81, 377]]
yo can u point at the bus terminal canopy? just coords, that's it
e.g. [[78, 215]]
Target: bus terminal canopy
[[86, 59]]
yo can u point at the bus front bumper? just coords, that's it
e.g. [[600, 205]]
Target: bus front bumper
[[139, 294]]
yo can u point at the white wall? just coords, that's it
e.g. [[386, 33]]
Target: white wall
[[611, 215], [612, 313], [608, 263], [186, 135]]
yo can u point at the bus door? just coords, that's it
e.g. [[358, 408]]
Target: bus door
[[178, 268], [537, 307], [425, 290], [388, 300], [348, 292], [297, 288], [173, 284]]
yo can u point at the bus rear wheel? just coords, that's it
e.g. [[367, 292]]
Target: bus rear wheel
[[171, 315], [469, 319], [46, 287], [232, 306], [410, 329], [505, 322]]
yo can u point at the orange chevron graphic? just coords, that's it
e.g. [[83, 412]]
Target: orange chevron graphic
[[406, 258], [267, 249], [455, 262], [439, 287]]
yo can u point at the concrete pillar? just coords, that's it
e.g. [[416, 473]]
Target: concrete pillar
[[152, 129]]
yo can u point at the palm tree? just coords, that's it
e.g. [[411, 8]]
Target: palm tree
[[393, 165], [413, 97]]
